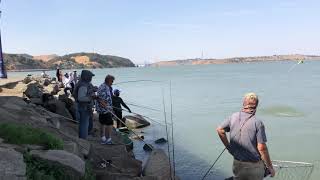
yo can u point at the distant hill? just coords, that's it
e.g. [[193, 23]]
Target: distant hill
[[294, 57], [70, 61]]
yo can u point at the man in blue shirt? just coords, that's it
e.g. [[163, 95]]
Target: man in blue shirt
[[247, 141]]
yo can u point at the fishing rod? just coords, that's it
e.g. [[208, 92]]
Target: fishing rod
[[238, 132], [104, 162], [165, 119], [143, 80], [214, 163], [172, 139], [131, 130], [293, 66], [140, 115], [143, 107]]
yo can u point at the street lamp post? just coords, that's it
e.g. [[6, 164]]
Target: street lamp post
[[3, 73]]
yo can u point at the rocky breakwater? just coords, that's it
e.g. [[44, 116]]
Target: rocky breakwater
[[39, 138], [35, 108]]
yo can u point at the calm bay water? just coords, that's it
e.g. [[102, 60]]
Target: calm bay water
[[203, 96]]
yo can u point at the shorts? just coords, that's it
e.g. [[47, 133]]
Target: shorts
[[106, 119]]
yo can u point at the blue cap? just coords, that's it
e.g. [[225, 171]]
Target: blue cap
[[116, 91]]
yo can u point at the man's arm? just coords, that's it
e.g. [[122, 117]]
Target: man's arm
[[223, 137], [124, 105], [82, 95], [263, 150]]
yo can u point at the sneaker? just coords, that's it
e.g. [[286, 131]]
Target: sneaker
[[103, 142], [108, 141]]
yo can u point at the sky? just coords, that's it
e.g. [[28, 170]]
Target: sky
[[156, 30]]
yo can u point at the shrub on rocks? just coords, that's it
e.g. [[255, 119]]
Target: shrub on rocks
[[73, 166], [18, 134]]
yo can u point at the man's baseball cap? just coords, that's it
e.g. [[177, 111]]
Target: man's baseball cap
[[86, 73]]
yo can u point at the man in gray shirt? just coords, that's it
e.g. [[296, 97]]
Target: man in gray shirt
[[247, 141]]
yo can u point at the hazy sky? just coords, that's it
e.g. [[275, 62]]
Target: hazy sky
[[153, 30]]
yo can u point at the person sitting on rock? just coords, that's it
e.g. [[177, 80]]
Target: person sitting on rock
[[84, 97], [116, 103], [44, 74]]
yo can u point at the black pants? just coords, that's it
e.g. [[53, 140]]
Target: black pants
[[119, 116], [66, 90]]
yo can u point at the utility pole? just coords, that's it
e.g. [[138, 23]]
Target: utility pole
[[3, 73]]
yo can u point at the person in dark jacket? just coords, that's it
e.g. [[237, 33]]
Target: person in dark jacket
[[59, 75], [84, 96], [116, 103]]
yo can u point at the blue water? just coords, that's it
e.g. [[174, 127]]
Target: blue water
[[204, 95]]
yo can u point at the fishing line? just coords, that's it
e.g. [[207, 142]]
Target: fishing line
[[165, 119], [172, 139], [130, 129], [140, 115], [140, 106], [214, 163], [293, 66], [143, 80], [99, 156]]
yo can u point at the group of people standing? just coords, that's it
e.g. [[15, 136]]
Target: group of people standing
[[106, 102], [67, 81], [247, 142]]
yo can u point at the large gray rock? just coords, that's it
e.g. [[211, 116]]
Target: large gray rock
[[27, 80], [60, 108], [71, 162], [136, 122], [12, 165], [37, 101], [46, 82], [71, 147], [157, 165], [33, 91]]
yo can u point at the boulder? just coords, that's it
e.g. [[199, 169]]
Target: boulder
[[71, 147], [12, 165], [70, 162], [37, 101], [27, 80], [60, 108], [147, 147], [46, 82], [157, 165], [52, 89], [136, 121], [33, 91], [160, 141]]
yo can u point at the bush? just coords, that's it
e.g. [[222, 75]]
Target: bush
[[39, 169], [22, 134]]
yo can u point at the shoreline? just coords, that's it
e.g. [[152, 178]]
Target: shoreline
[[237, 60]]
